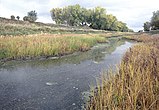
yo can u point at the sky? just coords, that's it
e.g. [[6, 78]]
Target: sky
[[133, 12]]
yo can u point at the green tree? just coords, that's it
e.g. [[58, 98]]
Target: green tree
[[155, 20], [57, 15], [111, 23], [83, 16], [12, 17], [18, 17], [32, 16], [73, 15], [130, 30], [147, 26], [25, 18], [122, 27], [95, 18]]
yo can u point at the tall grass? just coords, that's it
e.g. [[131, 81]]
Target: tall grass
[[141, 37], [21, 47], [136, 85]]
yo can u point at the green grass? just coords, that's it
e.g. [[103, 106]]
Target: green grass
[[21, 47], [135, 86]]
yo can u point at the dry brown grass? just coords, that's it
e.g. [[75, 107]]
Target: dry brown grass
[[136, 85]]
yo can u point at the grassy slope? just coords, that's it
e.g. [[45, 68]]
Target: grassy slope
[[14, 27], [136, 85]]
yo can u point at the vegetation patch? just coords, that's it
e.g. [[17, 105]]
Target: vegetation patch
[[22, 47], [136, 85]]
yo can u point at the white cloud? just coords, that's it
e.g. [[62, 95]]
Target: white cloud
[[133, 12]]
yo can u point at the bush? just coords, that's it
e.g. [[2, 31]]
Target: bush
[[12, 17], [32, 16], [18, 17]]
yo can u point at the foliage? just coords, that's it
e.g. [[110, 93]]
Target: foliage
[[18, 17], [57, 15], [96, 18], [155, 20], [154, 23], [147, 26], [31, 17], [25, 18], [130, 30], [12, 17]]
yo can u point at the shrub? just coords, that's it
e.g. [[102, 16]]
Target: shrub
[[12, 17], [25, 18], [18, 17], [32, 16]]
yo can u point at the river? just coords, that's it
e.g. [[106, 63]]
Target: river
[[56, 83]]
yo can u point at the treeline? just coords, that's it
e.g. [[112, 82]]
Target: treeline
[[154, 22], [31, 16], [95, 18]]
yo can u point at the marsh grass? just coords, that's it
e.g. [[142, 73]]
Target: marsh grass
[[21, 47], [136, 85], [141, 37]]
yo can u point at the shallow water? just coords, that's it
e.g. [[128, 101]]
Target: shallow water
[[56, 84]]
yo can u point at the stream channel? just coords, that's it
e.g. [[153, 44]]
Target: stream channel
[[57, 83]]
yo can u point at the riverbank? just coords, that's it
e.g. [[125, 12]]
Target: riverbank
[[28, 47], [135, 85], [37, 46]]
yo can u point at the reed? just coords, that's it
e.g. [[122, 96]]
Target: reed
[[135, 86], [37, 45], [140, 37]]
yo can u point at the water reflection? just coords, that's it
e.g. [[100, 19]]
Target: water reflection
[[96, 54]]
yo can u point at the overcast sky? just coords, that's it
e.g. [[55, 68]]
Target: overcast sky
[[132, 12]]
